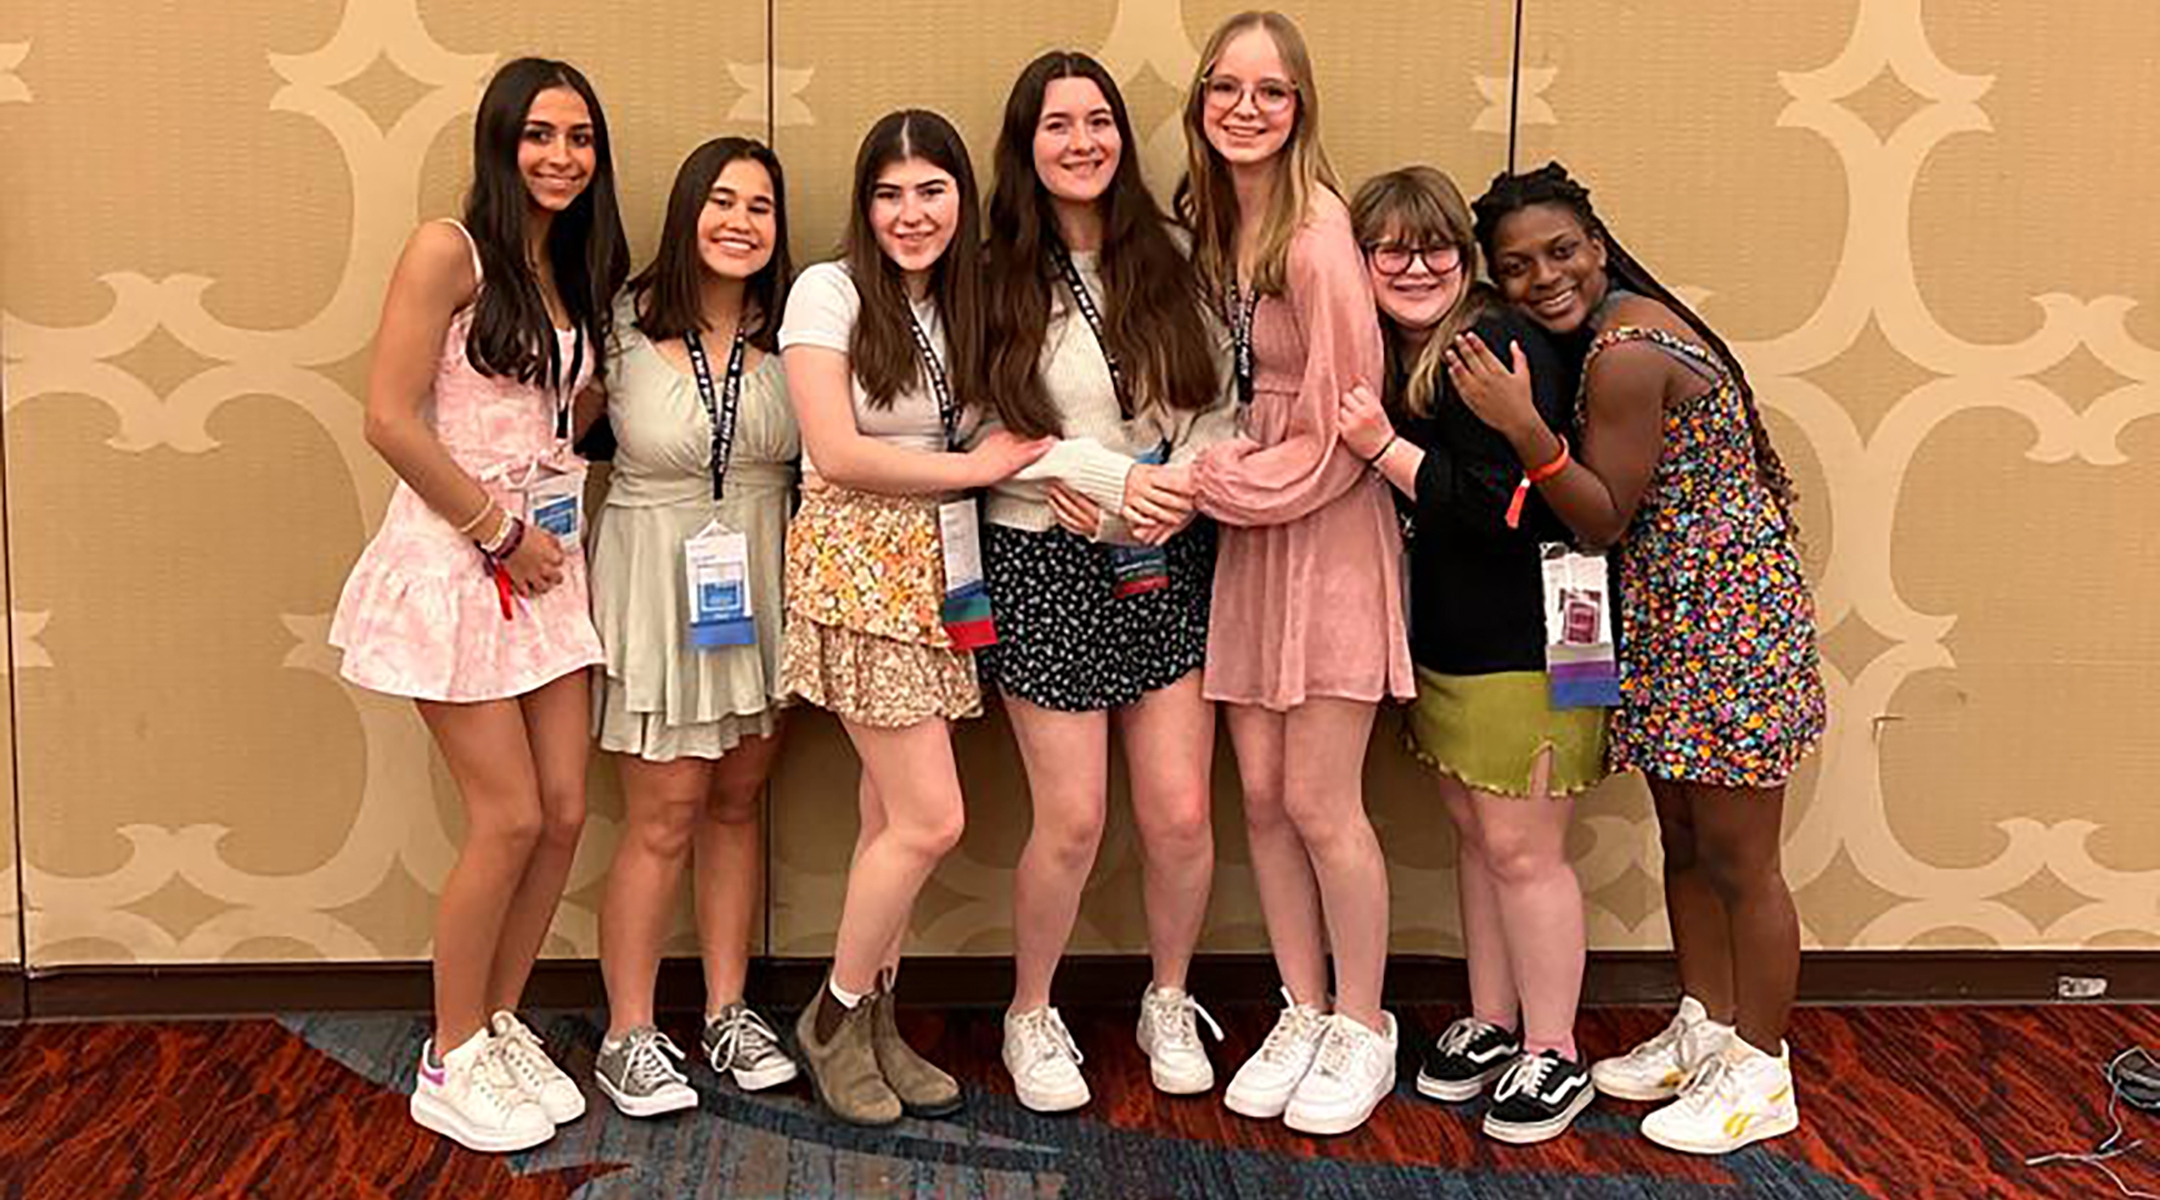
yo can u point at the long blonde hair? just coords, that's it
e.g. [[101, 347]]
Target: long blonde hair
[[1207, 202], [1422, 207]]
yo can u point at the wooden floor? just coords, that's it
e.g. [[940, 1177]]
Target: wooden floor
[[1896, 1102]]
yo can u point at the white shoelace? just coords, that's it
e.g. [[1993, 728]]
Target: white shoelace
[[1173, 1021], [1713, 1081], [745, 1038], [645, 1062], [496, 1075], [1044, 1035], [1456, 1038], [1343, 1046], [1297, 1025], [1526, 1074], [1663, 1043], [520, 1047]]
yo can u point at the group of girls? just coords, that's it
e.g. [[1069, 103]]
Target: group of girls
[[1120, 467]]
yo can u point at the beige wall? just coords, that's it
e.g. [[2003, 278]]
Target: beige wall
[[1925, 237]]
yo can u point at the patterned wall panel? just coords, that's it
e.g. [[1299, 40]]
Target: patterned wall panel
[[1897, 217]]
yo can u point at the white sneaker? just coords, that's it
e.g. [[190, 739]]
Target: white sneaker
[[1261, 1088], [635, 1073], [1044, 1061], [1655, 1069], [1177, 1061], [475, 1101], [558, 1093], [1353, 1072], [1739, 1097]]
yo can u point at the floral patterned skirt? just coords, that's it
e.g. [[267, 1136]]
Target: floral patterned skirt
[[863, 640]]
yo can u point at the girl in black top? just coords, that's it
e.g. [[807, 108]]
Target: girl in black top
[[1505, 762]]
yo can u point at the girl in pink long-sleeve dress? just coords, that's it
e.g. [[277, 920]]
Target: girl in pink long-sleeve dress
[[1308, 633]]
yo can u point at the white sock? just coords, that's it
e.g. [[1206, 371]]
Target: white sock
[[847, 999]]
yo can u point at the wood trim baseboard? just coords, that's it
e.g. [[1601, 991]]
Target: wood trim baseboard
[[1612, 977], [14, 995]]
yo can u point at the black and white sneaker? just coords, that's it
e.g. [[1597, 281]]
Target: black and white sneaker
[[1467, 1056], [1537, 1098]]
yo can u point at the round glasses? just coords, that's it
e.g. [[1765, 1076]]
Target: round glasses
[[1271, 96], [1394, 258]]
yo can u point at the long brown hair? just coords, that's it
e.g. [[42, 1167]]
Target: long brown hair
[[668, 292], [1205, 198], [1152, 310], [881, 351], [1423, 207], [1550, 184]]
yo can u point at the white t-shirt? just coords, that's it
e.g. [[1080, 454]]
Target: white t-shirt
[[821, 311]]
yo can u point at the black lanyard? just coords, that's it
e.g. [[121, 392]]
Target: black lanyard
[[721, 409], [566, 385], [1241, 329], [1086, 304], [938, 385]]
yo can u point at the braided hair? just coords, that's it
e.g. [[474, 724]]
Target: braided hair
[[1551, 184]]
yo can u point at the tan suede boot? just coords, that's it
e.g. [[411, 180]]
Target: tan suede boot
[[845, 1070], [924, 1090]]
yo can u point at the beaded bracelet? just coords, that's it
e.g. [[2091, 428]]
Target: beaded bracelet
[[491, 545]]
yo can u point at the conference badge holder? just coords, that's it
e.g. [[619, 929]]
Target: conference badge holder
[[1580, 665], [966, 608], [716, 572]]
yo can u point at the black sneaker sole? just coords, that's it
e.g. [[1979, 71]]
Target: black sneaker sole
[[1455, 1091]]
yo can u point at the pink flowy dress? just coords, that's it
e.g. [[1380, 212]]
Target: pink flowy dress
[[420, 616], [1309, 598]]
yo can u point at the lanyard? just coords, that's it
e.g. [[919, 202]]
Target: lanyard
[[1086, 304], [721, 409], [938, 385], [1242, 311], [566, 386]]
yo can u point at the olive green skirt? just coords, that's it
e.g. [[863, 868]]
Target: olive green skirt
[[1487, 731]]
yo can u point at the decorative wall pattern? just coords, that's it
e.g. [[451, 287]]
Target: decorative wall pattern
[[1919, 227]]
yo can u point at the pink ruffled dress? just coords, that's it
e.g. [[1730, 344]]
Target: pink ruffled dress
[[419, 616]]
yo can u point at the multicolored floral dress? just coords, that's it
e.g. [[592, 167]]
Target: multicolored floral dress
[[1720, 681]]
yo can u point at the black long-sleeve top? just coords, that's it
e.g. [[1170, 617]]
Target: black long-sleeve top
[[1476, 595]]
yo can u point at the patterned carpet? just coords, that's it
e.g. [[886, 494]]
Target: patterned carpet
[[1897, 1102]]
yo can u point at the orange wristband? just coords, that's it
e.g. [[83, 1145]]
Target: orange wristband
[[1540, 475]]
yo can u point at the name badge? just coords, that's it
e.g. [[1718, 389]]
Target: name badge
[[966, 609], [1138, 570], [555, 501], [1580, 665], [716, 574]]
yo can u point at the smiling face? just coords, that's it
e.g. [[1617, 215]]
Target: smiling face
[[1549, 266], [556, 154], [1077, 145], [1250, 99], [1415, 281], [736, 230], [914, 209]]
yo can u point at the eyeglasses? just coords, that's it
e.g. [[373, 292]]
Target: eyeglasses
[[1394, 258], [1271, 96]]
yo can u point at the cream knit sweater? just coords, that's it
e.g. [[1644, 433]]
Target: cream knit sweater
[[1099, 443]]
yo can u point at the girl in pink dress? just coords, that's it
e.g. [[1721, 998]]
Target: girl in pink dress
[[471, 598], [1307, 631]]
